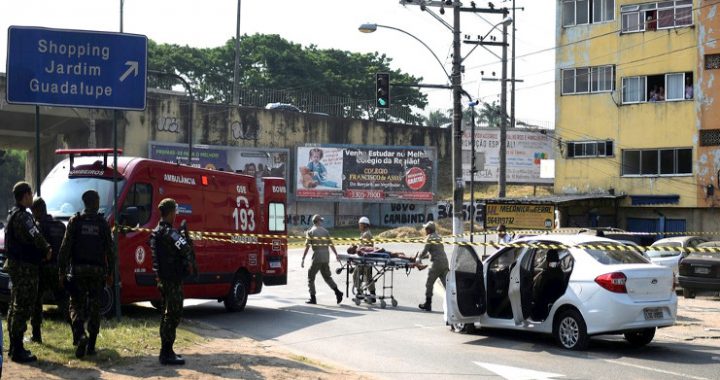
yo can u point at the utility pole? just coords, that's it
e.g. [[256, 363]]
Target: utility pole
[[236, 70], [512, 71], [502, 172], [459, 183]]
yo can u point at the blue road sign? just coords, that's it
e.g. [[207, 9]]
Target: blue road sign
[[76, 68]]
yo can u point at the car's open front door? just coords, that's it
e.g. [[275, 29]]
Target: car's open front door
[[465, 288], [521, 282]]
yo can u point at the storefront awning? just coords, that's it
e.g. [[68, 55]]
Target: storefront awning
[[647, 200]]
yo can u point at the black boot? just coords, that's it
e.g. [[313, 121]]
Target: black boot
[[338, 295], [168, 357], [312, 300], [36, 334], [427, 306], [20, 354], [373, 296], [82, 346], [91, 345]]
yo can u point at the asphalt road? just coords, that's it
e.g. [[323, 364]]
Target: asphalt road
[[403, 342]]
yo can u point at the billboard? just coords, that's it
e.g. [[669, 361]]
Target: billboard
[[525, 151], [376, 173], [519, 216], [252, 161]]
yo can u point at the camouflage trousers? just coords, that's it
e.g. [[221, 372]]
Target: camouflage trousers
[[49, 283], [172, 307], [363, 274], [438, 270], [85, 293], [324, 269], [24, 279]]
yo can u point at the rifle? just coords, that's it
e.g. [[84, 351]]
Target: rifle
[[186, 234]]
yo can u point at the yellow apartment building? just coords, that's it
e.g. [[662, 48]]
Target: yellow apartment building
[[635, 112]]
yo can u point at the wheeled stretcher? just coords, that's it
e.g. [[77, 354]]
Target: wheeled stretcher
[[381, 264]]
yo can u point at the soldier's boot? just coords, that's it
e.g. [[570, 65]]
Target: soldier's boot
[[338, 295], [312, 300], [373, 296], [20, 354], [91, 345], [168, 356], [427, 306], [36, 334], [81, 349]]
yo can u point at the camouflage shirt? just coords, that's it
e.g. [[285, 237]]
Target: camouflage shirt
[[434, 248], [25, 232]]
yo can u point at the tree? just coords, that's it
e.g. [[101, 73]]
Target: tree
[[492, 114], [439, 118], [12, 165], [302, 73]]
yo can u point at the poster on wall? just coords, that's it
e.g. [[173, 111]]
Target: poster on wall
[[377, 173], [252, 161], [526, 149]]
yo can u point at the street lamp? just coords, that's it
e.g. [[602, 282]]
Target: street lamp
[[370, 28]]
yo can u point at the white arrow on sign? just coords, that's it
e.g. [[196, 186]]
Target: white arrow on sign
[[515, 373], [133, 68]]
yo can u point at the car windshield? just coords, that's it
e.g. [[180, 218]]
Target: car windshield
[[63, 195], [656, 254], [700, 255], [621, 254]]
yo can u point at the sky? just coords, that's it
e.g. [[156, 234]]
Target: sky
[[332, 24]]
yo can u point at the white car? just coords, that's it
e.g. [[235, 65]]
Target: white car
[[671, 259], [571, 293]]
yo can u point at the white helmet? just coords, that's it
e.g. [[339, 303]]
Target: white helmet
[[364, 220]]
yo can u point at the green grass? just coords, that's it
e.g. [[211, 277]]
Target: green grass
[[136, 334]]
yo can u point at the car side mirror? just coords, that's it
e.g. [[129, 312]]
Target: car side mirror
[[130, 217]]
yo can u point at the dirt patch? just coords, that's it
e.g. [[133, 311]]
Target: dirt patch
[[227, 358], [698, 320]]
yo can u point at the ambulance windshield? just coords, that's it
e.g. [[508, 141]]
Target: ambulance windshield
[[63, 195]]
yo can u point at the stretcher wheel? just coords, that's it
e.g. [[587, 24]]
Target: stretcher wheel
[[357, 301], [383, 304], [394, 302]]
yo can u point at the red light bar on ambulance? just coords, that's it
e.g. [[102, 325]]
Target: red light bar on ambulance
[[104, 152]]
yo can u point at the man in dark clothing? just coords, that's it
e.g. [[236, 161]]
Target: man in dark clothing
[[173, 260], [53, 231], [25, 249], [85, 258], [439, 269]]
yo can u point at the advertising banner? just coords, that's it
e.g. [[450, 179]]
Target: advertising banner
[[525, 151], [252, 161], [352, 172], [520, 216]]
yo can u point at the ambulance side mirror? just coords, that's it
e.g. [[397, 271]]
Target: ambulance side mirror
[[130, 217]]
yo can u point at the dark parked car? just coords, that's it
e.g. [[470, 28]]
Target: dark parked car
[[700, 271]]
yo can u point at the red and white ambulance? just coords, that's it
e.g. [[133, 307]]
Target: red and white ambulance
[[238, 222]]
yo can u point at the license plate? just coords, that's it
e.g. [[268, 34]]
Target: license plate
[[275, 264], [653, 313], [702, 270]]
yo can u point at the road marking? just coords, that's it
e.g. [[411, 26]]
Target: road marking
[[655, 370], [515, 373]]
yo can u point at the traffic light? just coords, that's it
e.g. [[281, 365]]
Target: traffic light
[[382, 81]]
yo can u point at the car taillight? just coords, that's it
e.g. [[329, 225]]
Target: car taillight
[[614, 282]]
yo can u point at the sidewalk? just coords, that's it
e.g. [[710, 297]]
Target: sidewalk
[[698, 320]]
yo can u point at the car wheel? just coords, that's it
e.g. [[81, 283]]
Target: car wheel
[[640, 338], [688, 293], [570, 330], [238, 295], [463, 328], [107, 302]]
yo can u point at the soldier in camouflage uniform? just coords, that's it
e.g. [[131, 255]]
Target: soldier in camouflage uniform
[[319, 239], [439, 269], [173, 261], [85, 258], [53, 231], [25, 249]]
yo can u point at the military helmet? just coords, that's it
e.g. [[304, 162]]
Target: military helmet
[[429, 226]]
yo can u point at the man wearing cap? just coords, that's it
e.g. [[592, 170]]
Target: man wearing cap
[[364, 272], [173, 261], [53, 231], [26, 248], [439, 269], [319, 238], [86, 256]]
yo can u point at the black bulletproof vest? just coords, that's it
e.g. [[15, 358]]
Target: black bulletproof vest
[[17, 250], [166, 261], [53, 231], [88, 241]]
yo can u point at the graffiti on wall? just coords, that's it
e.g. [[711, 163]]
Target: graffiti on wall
[[243, 131], [169, 124]]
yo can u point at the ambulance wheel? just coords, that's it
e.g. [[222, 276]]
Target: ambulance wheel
[[157, 304], [107, 302], [237, 298]]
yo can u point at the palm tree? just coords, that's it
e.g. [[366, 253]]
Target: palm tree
[[492, 114]]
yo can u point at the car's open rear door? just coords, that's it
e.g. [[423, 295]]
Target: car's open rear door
[[521, 282], [465, 290]]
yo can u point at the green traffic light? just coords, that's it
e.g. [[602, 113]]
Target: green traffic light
[[382, 102]]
